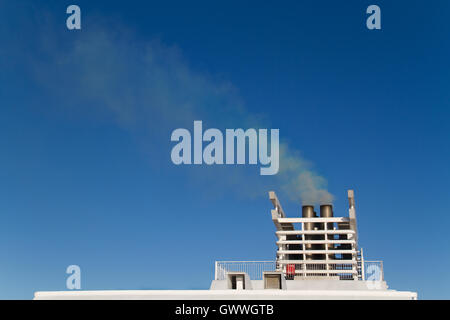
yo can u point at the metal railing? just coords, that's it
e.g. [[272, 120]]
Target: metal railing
[[254, 269], [372, 270], [308, 269]]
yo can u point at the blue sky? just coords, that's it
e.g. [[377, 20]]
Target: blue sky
[[86, 117]]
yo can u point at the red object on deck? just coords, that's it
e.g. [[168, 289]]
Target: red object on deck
[[290, 269]]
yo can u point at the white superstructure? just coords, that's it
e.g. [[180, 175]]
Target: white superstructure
[[317, 258]]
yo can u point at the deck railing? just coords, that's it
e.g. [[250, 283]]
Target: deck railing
[[372, 270], [254, 269]]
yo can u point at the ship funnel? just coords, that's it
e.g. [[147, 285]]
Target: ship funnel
[[308, 212], [326, 211]]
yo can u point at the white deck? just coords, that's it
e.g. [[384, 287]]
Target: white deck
[[227, 295]]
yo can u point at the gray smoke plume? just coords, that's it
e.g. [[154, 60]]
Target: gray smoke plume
[[299, 181], [151, 87]]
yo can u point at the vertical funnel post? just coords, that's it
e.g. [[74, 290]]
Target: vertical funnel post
[[352, 214], [308, 212], [326, 211]]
